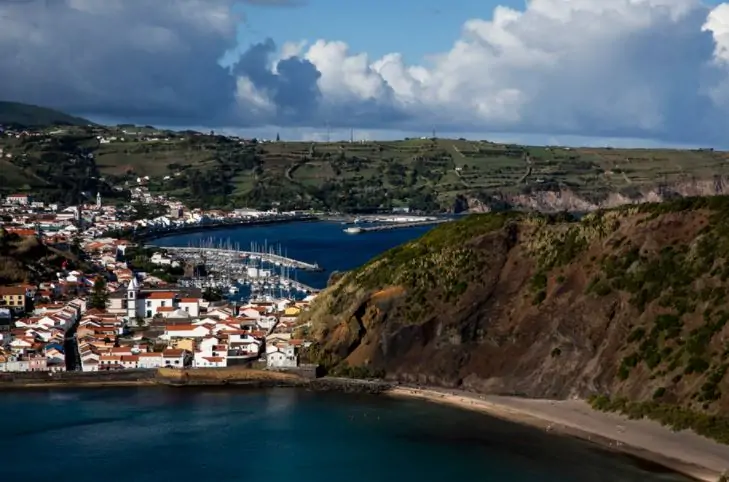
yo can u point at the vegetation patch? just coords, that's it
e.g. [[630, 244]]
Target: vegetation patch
[[715, 427]]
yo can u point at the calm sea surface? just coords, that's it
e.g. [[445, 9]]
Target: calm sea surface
[[316, 242], [287, 435], [280, 435]]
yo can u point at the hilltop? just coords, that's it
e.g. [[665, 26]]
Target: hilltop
[[432, 175], [27, 115], [627, 307]]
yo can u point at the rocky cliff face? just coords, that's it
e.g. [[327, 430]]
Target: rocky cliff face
[[566, 199], [630, 301]]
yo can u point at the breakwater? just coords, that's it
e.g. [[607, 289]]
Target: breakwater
[[391, 226]]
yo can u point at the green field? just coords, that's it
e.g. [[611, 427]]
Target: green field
[[425, 174]]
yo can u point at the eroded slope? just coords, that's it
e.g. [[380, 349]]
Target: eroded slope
[[630, 302]]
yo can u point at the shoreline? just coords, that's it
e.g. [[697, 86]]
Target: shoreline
[[682, 452], [144, 237]]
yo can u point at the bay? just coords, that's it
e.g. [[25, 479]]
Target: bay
[[279, 435], [314, 242]]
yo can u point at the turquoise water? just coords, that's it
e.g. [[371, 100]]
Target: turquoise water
[[317, 242], [280, 435]]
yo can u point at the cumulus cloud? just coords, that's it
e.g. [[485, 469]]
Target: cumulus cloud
[[604, 68]]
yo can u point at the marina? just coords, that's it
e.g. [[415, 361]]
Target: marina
[[263, 271]]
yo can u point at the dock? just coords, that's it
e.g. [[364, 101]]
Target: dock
[[235, 254]]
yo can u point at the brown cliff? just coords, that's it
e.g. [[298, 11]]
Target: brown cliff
[[630, 302]]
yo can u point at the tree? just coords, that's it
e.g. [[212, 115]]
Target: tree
[[99, 295]]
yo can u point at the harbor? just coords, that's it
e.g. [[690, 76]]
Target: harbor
[[263, 271]]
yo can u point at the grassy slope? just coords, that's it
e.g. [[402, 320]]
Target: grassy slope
[[628, 306], [35, 116], [411, 172]]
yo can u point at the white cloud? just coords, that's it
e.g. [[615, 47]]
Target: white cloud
[[602, 68]]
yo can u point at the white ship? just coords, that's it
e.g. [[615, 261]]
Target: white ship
[[353, 230]]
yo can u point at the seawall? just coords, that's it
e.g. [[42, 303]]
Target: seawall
[[201, 377]]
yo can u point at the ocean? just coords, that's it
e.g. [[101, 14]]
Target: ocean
[[151, 434], [314, 242]]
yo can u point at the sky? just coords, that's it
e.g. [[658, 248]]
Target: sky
[[576, 72]]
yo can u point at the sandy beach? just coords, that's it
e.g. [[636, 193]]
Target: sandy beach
[[684, 452]]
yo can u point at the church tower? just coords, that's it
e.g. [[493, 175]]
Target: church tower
[[98, 200], [132, 298]]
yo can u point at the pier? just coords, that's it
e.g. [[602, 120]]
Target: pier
[[387, 227], [265, 270], [233, 254]]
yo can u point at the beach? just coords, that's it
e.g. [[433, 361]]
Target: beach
[[684, 452]]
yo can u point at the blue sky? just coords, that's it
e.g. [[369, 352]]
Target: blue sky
[[412, 28], [600, 70], [378, 27]]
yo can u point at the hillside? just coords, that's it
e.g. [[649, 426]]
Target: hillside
[[26, 259], [424, 174], [26, 115], [629, 306]]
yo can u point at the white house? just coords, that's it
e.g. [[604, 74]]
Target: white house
[[191, 305], [150, 360], [175, 357], [281, 356], [22, 199], [185, 331], [206, 361]]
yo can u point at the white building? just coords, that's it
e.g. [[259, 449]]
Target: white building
[[185, 331], [281, 356], [190, 305], [151, 360]]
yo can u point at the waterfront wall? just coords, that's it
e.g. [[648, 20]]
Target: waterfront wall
[[204, 377], [76, 378], [156, 233]]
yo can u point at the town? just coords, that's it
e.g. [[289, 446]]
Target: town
[[111, 303]]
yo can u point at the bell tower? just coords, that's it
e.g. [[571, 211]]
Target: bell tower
[[132, 298]]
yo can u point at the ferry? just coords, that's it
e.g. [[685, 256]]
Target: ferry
[[353, 230]]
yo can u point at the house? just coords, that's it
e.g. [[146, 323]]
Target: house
[[176, 358], [210, 361], [151, 360], [151, 302], [13, 297], [191, 306], [185, 331], [292, 311], [281, 356], [21, 199]]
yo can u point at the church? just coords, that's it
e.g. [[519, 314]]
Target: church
[[134, 302]]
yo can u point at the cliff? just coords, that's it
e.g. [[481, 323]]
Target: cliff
[[571, 200], [630, 302]]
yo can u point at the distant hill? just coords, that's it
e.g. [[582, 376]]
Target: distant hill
[[16, 113]]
